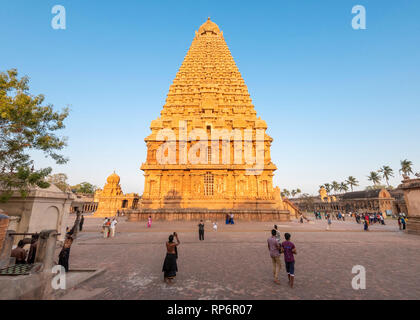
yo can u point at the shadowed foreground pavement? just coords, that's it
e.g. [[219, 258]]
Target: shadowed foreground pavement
[[234, 262]]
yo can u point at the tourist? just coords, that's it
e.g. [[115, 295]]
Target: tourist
[[274, 250], [289, 251], [214, 226], [278, 236], [201, 230], [227, 219], [118, 213], [170, 267], [32, 249], [399, 222], [107, 224], [19, 253], [149, 222], [328, 217], [381, 218], [112, 227], [231, 219], [82, 221], [301, 218], [64, 255], [103, 224], [403, 222], [366, 225]]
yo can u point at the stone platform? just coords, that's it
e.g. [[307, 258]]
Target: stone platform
[[207, 214]]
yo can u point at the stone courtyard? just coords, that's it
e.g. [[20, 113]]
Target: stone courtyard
[[234, 263]]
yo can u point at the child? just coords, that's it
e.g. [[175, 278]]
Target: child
[[289, 251]]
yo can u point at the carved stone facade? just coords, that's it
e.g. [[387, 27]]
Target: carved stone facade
[[209, 101], [112, 199]]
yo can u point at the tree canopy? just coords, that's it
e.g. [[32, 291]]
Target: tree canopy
[[26, 124]]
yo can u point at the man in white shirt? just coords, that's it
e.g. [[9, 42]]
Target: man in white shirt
[[112, 227]]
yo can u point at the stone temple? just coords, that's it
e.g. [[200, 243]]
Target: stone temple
[[209, 96]]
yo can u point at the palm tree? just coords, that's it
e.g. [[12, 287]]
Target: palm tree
[[344, 187], [293, 193], [286, 193], [387, 172], [327, 187], [374, 177], [406, 167], [352, 182], [298, 191], [335, 186]]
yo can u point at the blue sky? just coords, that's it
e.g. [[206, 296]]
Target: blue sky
[[337, 101]]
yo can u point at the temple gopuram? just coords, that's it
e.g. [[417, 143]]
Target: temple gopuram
[[209, 116], [110, 200]]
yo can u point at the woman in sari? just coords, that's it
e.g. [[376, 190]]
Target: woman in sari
[[170, 267]]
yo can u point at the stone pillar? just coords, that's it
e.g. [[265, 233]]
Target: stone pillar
[[411, 188], [4, 223], [6, 240], [46, 249]]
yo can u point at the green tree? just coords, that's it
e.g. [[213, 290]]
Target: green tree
[[26, 124], [406, 167], [386, 172], [352, 182], [59, 180], [374, 177], [344, 187], [285, 193], [327, 187], [84, 187], [335, 186]]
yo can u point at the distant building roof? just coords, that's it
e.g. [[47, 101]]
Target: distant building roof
[[366, 194]]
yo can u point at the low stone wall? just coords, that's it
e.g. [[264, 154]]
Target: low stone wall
[[207, 214]]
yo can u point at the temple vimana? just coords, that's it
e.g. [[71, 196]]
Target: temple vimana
[[209, 95]]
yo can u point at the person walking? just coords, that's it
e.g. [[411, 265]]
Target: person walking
[[328, 216], [274, 250], [289, 251], [64, 255], [227, 219], [149, 222], [231, 219], [403, 222], [82, 221], [201, 230], [112, 227], [170, 267], [106, 227], [366, 225]]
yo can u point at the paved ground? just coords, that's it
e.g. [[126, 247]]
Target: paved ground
[[234, 263]]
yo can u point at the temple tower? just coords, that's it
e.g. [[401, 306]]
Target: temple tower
[[208, 153]]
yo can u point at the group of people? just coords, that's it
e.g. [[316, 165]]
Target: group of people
[[108, 227], [276, 247], [337, 215], [402, 221]]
